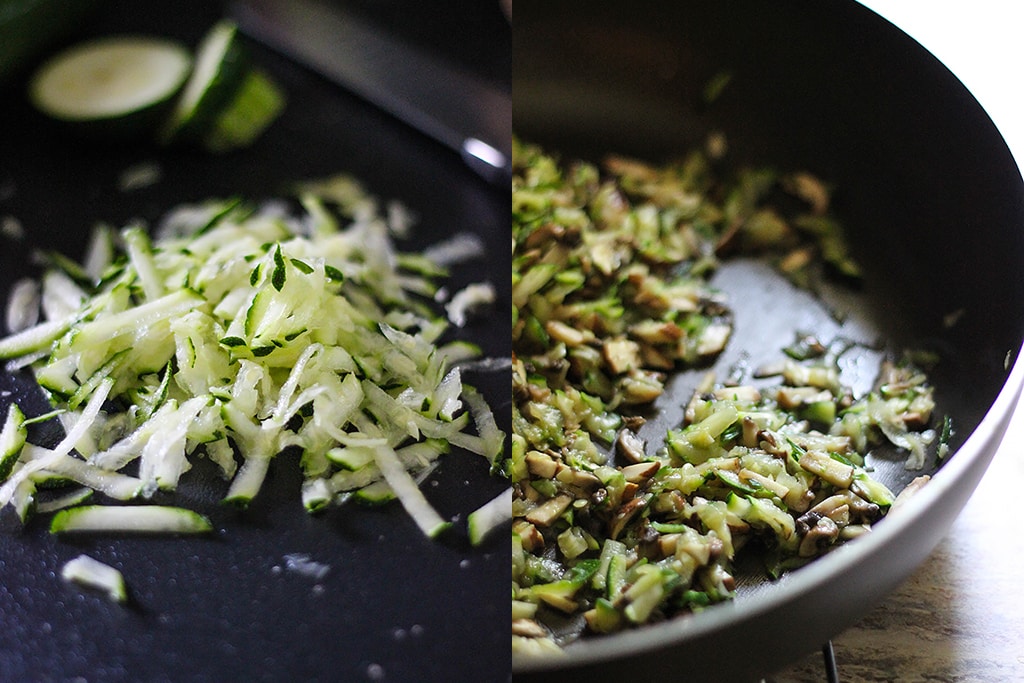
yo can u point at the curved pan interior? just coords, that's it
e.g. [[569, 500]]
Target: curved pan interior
[[931, 200]]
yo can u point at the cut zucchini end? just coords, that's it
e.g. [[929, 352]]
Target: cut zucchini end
[[221, 65], [438, 530], [256, 105], [12, 439], [116, 87], [490, 516], [375, 494], [477, 532], [239, 502], [93, 574]]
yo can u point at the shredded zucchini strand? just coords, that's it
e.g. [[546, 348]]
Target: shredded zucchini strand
[[257, 329]]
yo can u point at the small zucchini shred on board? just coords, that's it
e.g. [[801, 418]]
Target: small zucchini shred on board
[[234, 332], [611, 296], [91, 573]]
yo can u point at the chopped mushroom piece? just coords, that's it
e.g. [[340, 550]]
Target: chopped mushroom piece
[[563, 333], [541, 464], [546, 513], [529, 535], [624, 515], [822, 534], [641, 471], [641, 387], [631, 446], [714, 339], [622, 355], [528, 628], [657, 331], [585, 481]]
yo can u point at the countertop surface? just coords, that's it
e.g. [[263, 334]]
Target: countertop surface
[[960, 617]]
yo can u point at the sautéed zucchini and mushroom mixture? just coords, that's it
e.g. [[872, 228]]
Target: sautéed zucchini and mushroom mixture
[[611, 296]]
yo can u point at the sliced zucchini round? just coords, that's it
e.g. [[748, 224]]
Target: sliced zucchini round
[[221, 66], [120, 84]]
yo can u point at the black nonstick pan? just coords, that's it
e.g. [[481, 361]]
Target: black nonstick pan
[[392, 605], [932, 202]]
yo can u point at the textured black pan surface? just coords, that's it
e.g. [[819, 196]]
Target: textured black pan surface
[[392, 603]]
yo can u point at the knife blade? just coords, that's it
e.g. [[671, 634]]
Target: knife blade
[[453, 106]]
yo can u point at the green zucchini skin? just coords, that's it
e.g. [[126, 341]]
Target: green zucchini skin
[[208, 93], [138, 519]]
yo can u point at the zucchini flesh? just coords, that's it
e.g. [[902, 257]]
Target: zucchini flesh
[[405, 488], [12, 439], [66, 500], [110, 78], [32, 339], [240, 335], [490, 516], [92, 573], [88, 416], [129, 519]]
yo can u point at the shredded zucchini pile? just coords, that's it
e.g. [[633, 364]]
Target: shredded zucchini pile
[[611, 295], [235, 333]]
